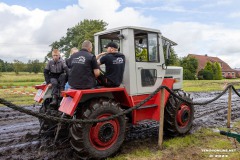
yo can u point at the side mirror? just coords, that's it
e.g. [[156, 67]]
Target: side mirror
[[168, 50]]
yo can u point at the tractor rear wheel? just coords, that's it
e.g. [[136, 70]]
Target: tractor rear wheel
[[98, 140], [178, 115]]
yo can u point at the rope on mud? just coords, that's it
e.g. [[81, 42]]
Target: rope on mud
[[200, 103], [71, 121]]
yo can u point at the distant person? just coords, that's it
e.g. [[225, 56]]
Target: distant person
[[84, 68], [115, 64], [55, 76], [72, 51]]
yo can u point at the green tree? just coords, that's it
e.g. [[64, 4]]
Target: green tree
[[218, 74], [187, 74], [211, 71], [84, 30], [8, 67], [35, 66], [173, 59], [18, 66], [208, 67], [1, 65], [189, 64]]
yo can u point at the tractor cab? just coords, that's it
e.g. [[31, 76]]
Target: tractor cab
[[143, 48]]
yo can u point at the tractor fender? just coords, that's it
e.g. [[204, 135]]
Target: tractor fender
[[73, 97]]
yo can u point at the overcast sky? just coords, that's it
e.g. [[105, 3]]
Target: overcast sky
[[212, 27]]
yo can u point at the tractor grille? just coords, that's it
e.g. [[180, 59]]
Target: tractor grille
[[173, 71]]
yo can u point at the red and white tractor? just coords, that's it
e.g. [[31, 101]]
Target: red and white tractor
[[145, 71]]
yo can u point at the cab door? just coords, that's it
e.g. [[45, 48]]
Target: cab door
[[149, 61]]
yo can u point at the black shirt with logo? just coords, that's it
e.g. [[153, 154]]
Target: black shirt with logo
[[81, 75], [115, 64]]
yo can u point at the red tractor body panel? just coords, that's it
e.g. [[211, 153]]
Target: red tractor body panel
[[72, 97], [41, 92], [150, 110]]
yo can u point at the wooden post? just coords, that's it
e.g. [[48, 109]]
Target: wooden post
[[229, 107], [160, 135]]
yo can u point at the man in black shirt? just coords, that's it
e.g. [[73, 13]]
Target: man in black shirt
[[115, 64], [54, 74], [84, 68]]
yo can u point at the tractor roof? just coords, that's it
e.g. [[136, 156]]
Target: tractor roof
[[137, 28], [127, 27]]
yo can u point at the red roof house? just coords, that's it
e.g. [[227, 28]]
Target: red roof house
[[227, 71]]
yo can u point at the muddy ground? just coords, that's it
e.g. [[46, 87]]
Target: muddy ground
[[19, 132]]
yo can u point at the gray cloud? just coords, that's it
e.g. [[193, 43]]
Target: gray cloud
[[27, 34]]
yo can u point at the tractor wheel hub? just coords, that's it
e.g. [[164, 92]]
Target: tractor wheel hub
[[106, 132]]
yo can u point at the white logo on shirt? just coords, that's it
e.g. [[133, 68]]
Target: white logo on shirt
[[119, 60], [80, 59]]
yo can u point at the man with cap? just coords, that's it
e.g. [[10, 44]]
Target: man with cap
[[115, 64]]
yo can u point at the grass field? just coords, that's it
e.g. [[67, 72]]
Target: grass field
[[23, 79], [202, 145], [209, 85], [192, 147]]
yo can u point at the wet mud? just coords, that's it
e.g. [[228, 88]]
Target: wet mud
[[19, 133]]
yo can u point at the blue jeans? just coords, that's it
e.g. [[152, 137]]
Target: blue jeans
[[67, 86]]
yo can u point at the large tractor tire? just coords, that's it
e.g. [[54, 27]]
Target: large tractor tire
[[178, 115], [98, 140]]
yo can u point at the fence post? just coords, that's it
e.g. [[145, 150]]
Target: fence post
[[160, 134], [229, 107]]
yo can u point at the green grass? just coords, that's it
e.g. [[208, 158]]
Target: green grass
[[22, 79], [18, 99], [10, 77], [209, 85], [190, 147]]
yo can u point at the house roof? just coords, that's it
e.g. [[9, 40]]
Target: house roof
[[203, 59]]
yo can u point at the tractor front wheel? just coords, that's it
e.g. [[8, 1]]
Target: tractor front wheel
[[102, 139], [178, 115]]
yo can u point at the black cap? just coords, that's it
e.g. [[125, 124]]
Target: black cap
[[111, 44]]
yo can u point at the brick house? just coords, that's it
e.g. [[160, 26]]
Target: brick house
[[227, 71], [237, 72]]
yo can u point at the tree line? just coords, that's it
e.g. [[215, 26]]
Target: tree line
[[32, 66]]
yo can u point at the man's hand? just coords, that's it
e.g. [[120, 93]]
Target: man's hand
[[50, 85], [103, 53], [100, 55]]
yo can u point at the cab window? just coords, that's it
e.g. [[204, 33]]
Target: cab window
[[105, 39], [146, 46]]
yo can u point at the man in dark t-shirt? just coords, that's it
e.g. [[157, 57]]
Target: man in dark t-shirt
[[115, 64], [84, 68]]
